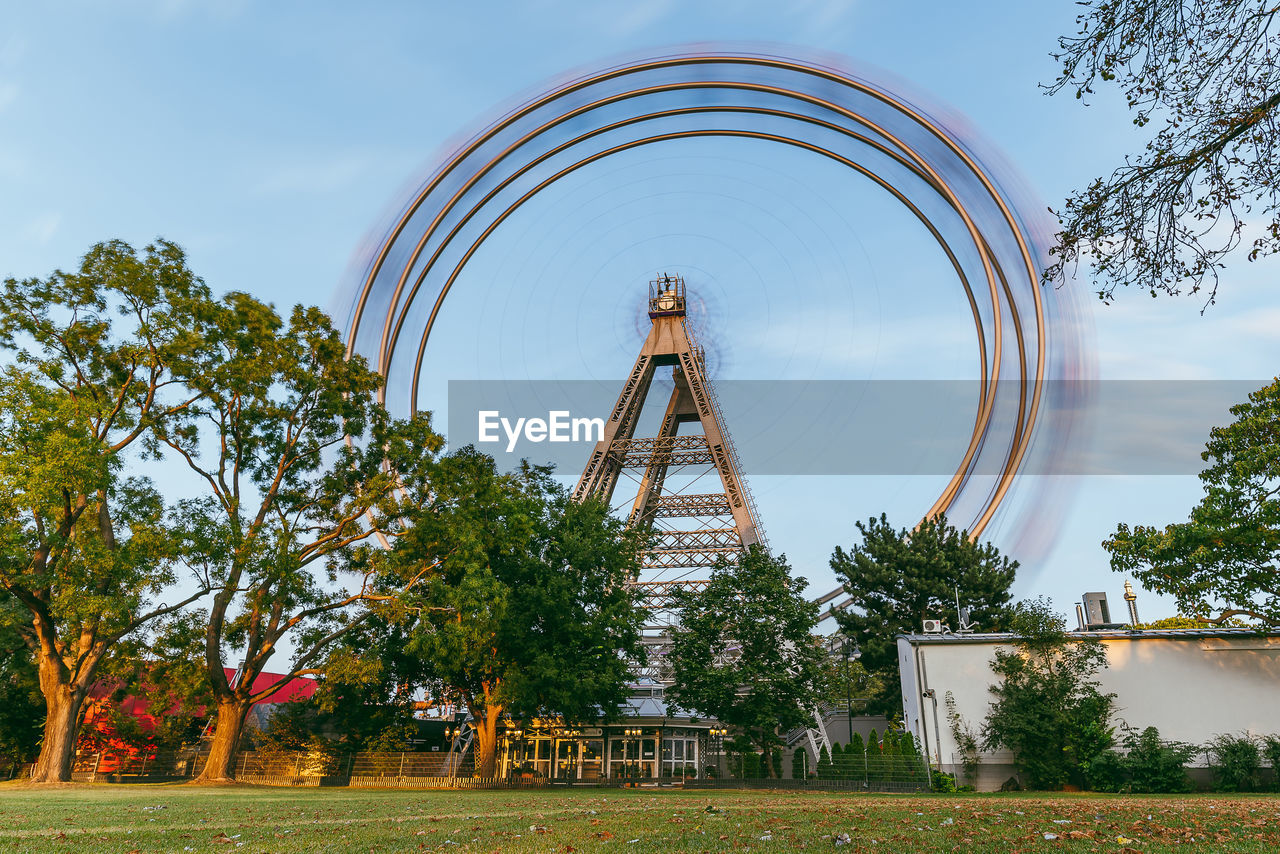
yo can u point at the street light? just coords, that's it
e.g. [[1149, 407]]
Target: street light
[[717, 735], [632, 735], [840, 644]]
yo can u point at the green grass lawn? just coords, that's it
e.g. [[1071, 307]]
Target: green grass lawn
[[153, 818]]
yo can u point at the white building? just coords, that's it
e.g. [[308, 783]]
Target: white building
[[1191, 684]]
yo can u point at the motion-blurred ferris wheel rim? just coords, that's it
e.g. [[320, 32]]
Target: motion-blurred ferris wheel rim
[[387, 275]]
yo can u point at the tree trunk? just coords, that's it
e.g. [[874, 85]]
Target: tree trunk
[[486, 749], [62, 721], [225, 747]]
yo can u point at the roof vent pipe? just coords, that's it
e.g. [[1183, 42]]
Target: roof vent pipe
[[1131, 599]]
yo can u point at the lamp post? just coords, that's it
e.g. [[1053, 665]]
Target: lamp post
[[632, 737], [850, 652], [717, 742]]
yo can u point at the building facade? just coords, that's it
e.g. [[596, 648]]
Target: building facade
[[1191, 684]]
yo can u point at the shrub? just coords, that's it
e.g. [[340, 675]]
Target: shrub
[[943, 782], [1158, 766], [966, 740], [1049, 710], [824, 764], [1237, 763], [913, 758], [1148, 765], [1107, 772], [1271, 749], [839, 765], [800, 764]]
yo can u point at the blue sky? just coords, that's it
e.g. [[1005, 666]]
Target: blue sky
[[269, 138]]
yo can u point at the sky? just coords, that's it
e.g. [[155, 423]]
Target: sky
[[271, 139]]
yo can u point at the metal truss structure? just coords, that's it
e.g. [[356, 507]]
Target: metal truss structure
[[691, 531], [1025, 335], [995, 244]]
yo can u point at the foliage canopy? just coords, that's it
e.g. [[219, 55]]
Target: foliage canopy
[[1206, 73], [897, 578], [745, 652], [1048, 709], [1224, 562]]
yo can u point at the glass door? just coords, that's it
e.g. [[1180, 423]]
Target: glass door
[[566, 759], [592, 759]]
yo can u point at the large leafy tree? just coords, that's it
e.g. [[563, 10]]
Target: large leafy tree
[[529, 613], [1206, 75], [85, 549], [1048, 709], [1224, 562], [301, 472], [21, 706], [744, 651], [896, 578], [367, 694]]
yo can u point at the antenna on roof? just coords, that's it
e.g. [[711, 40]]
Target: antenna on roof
[[964, 627]]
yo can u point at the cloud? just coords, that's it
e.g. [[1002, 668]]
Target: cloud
[[12, 50], [170, 10], [639, 17], [41, 229], [8, 93], [11, 165], [314, 174], [1169, 338]]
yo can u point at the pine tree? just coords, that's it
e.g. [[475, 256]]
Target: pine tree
[[897, 577], [824, 764], [857, 753], [800, 764], [837, 761]]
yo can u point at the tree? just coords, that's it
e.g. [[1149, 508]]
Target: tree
[[1207, 73], [301, 470], [852, 683], [529, 613], [744, 651], [160, 668], [800, 763], [365, 700], [1223, 562], [21, 706], [1048, 709], [86, 552], [897, 578]]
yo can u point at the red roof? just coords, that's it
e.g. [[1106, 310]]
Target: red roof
[[298, 688]]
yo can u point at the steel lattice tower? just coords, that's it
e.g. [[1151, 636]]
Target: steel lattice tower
[[692, 531]]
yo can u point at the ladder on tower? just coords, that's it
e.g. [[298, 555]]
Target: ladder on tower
[[817, 736]]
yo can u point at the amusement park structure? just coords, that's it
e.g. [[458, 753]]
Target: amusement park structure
[[1026, 336], [691, 530]]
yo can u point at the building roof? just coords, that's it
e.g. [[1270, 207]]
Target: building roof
[[1100, 634]]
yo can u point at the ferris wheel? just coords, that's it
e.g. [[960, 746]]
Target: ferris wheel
[[1024, 337]]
